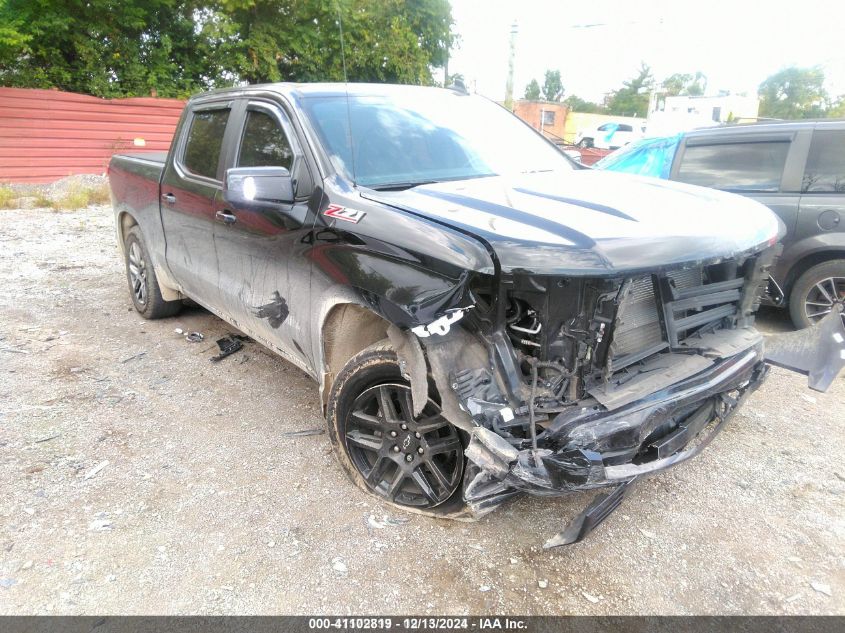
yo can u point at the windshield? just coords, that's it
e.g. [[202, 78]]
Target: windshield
[[424, 135]]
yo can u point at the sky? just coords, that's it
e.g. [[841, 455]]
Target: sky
[[597, 44]]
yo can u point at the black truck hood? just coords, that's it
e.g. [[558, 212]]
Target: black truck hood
[[585, 222]]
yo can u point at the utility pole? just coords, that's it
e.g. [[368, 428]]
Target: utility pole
[[509, 85]]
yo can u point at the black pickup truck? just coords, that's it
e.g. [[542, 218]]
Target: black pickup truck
[[483, 316]]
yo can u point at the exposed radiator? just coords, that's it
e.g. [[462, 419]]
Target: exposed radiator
[[637, 322], [637, 332]]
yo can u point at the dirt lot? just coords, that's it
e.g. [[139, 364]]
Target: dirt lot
[[138, 477]]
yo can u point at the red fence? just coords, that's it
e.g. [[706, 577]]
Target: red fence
[[47, 134]]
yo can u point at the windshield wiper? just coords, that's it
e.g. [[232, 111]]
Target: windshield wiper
[[402, 186]]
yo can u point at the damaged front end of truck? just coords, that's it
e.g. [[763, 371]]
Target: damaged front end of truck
[[566, 384]]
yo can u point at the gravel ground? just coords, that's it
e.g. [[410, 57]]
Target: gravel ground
[[137, 477], [60, 187]]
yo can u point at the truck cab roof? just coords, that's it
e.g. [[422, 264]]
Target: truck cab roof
[[297, 91]]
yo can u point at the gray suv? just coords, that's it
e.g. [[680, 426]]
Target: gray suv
[[796, 168]]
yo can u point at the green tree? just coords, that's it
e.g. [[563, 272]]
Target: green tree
[[299, 40], [109, 47], [115, 48], [685, 84], [552, 86], [532, 90], [632, 98], [793, 93], [577, 104], [837, 108]]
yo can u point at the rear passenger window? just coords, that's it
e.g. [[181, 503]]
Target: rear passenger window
[[755, 166], [264, 143], [825, 171], [202, 151]]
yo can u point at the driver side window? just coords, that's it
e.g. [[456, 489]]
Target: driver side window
[[264, 142]]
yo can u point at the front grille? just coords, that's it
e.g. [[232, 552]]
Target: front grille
[[684, 301]]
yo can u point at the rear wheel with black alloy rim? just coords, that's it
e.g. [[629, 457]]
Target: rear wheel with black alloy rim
[[816, 292], [413, 461], [143, 285]]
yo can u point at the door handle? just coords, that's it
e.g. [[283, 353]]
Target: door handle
[[225, 217], [169, 198]]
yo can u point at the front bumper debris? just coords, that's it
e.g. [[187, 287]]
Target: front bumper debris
[[599, 509], [594, 448], [817, 351]]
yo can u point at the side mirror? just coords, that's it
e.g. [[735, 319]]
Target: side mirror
[[248, 185]]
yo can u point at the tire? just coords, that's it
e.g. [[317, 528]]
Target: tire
[[414, 463], [585, 142], [809, 298], [141, 276]]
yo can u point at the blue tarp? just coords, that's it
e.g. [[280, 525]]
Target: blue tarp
[[648, 157], [610, 128]]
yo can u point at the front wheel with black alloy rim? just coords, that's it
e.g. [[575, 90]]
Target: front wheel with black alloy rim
[[143, 284], [414, 461], [816, 292]]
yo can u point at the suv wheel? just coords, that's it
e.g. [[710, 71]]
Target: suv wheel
[[412, 461], [816, 292], [143, 285]]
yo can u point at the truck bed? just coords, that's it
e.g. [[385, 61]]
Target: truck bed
[[133, 173], [149, 157], [134, 180], [148, 165]]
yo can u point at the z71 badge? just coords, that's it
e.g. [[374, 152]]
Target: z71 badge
[[344, 213]]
